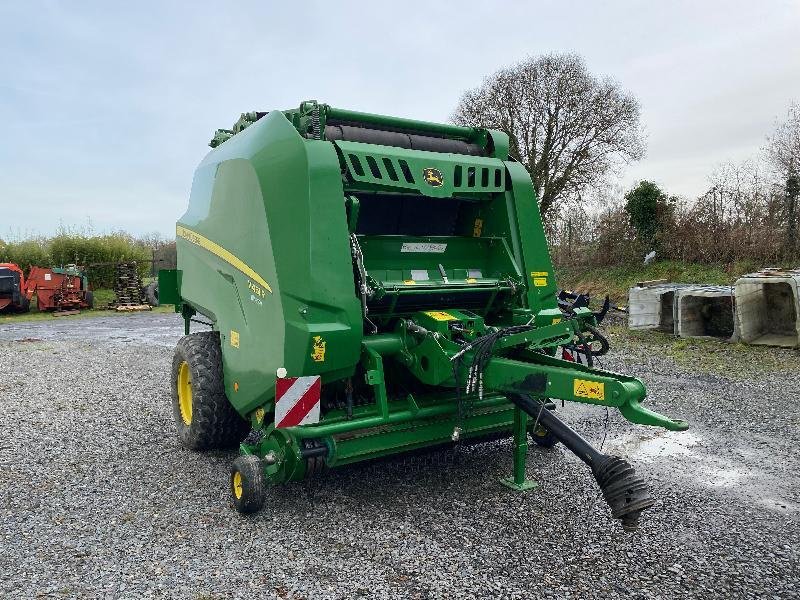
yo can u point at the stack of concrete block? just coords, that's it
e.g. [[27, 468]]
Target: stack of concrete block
[[685, 310], [762, 308]]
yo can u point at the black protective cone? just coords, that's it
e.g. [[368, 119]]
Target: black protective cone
[[625, 492]]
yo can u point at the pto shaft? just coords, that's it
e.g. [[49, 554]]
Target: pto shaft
[[625, 492]]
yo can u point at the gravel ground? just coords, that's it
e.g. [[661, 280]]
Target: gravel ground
[[97, 499]]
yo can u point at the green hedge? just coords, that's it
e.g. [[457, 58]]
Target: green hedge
[[25, 254], [81, 250]]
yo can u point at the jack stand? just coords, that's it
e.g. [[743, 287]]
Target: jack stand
[[518, 482]]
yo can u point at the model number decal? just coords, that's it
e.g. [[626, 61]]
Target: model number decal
[[256, 289], [423, 247], [203, 242]]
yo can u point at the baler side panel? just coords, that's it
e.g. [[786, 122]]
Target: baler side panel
[[253, 200], [304, 200], [527, 221], [234, 227]]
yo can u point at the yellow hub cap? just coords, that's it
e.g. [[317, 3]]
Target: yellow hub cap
[[185, 392], [237, 485]]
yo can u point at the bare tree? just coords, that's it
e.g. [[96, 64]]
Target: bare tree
[[568, 127], [783, 146], [783, 149]]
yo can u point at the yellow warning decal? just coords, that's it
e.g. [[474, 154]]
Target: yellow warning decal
[[540, 278], [440, 316], [556, 320], [318, 349], [220, 252], [594, 390], [260, 415], [410, 282], [234, 338], [477, 228], [472, 280]]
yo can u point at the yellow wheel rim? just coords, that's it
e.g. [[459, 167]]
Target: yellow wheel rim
[[185, 392], [237, 485]]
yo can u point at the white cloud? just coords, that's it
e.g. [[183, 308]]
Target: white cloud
[[107, 108]]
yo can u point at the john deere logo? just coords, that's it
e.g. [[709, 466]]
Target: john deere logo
[[433, 177]]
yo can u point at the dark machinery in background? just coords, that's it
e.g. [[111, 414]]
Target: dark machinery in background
[[12, 289]]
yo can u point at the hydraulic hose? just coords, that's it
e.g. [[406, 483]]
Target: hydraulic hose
[[625, 492], [597, 336]]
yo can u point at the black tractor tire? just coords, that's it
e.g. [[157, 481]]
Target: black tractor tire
[[151, 293], [248, 484], [89, 299], [208, 420], [24, 305]]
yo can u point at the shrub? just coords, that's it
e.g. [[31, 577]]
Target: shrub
[[85, 251], [26, 253]]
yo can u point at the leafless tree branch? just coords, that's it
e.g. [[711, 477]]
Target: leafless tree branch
[[568, 127]]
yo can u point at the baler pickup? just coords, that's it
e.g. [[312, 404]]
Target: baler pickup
[[378, 285]]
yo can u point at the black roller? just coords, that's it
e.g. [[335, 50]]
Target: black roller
[[625, 492], [400, 139]]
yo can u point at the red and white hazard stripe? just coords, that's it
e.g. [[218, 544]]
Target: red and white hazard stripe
[[297, 400]]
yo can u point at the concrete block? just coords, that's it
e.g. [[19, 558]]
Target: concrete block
[[653, 306], [706, 311], [768, 308]]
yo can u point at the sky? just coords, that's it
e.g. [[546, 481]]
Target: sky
[[106, 108]]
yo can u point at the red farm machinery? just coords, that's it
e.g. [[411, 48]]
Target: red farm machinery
[[57, 289]]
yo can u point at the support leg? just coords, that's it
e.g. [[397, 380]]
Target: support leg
[[187, 312], [518, 481]]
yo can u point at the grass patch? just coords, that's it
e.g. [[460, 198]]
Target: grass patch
[[102, 298], [738, 361], [617, 280]]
